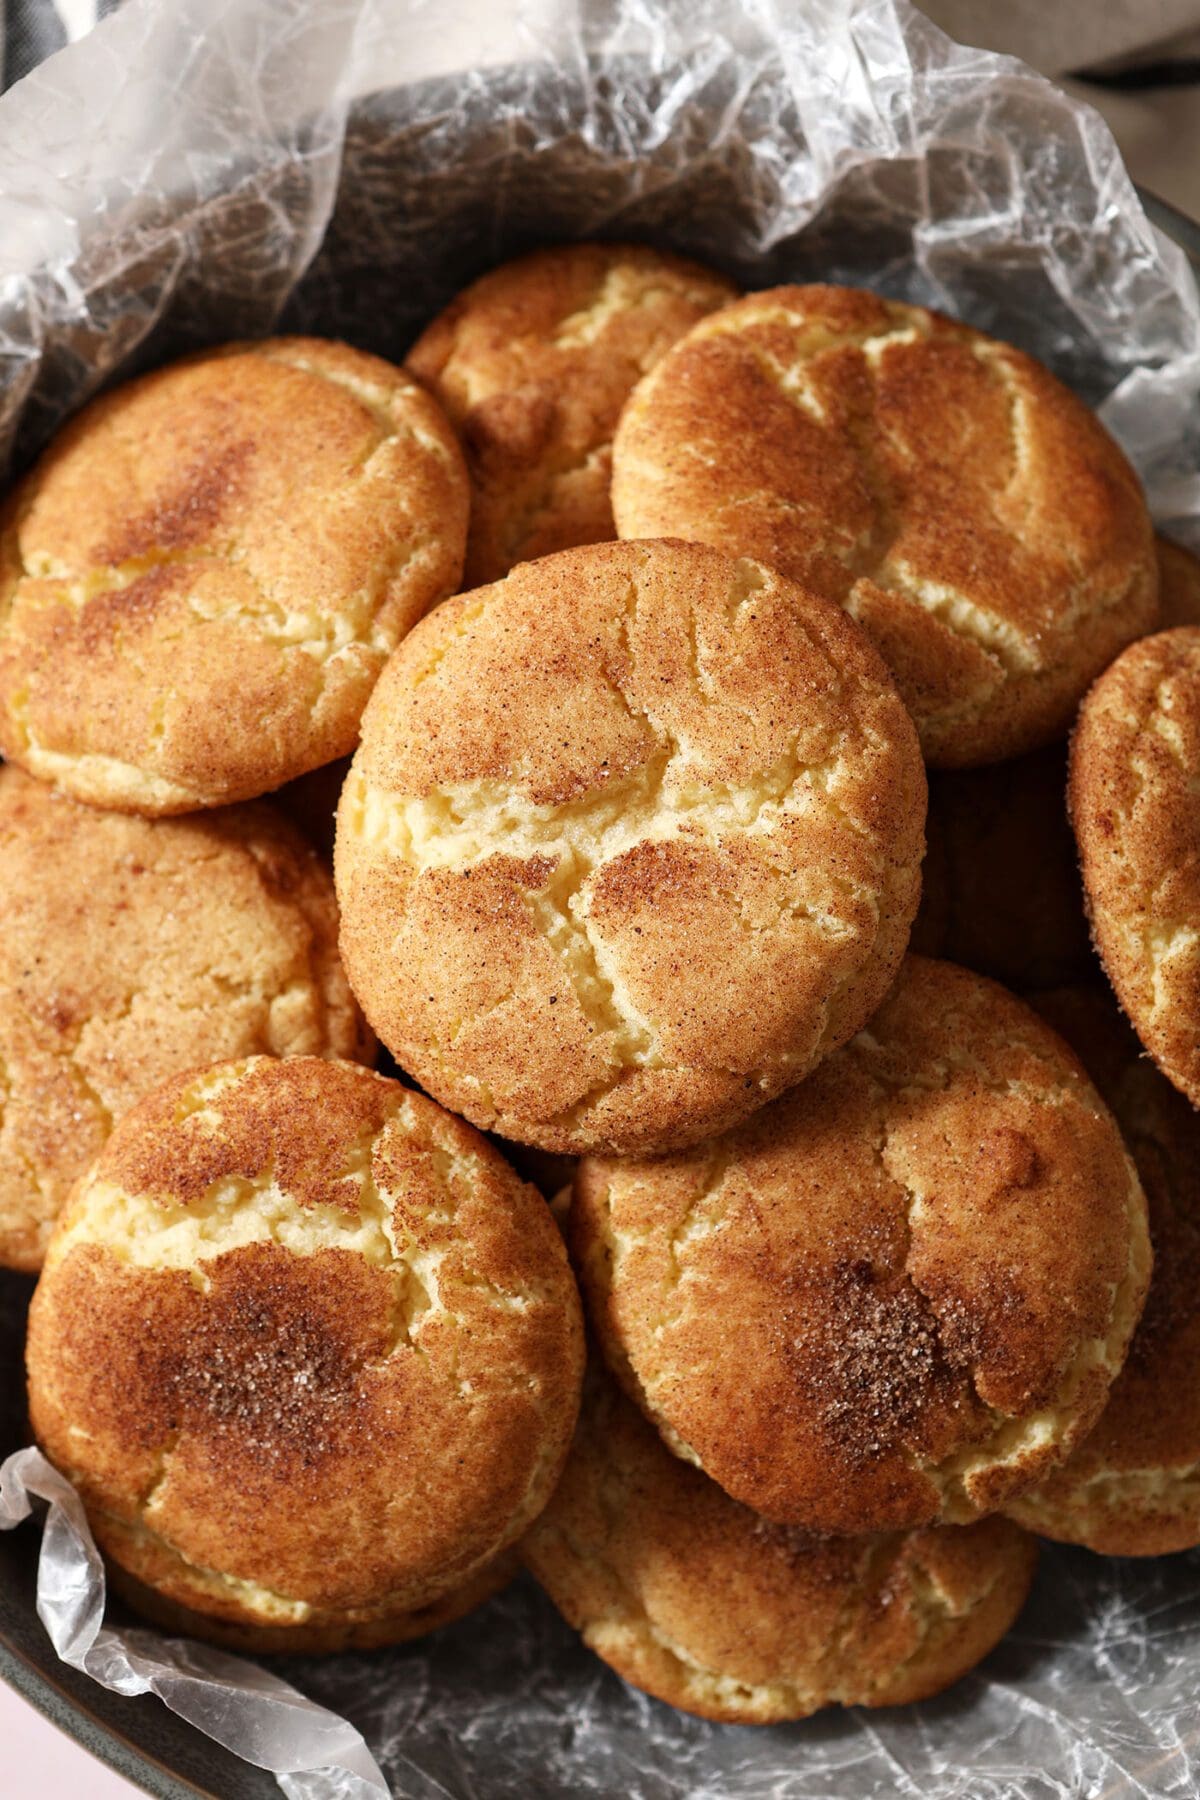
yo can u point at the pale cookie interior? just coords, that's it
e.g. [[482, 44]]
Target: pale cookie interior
[[631, 842], [936, 1252], [963, 505], [306, 1345], [695, 1599]]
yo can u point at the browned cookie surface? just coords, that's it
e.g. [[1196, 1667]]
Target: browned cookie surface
[[133, 948], [308, 1348], [205, 573], [319, 1634], [960, 502], [632, 840], [897, 1295], [1135, 763], [694, 1598], [1132, 1488], [533, 364]]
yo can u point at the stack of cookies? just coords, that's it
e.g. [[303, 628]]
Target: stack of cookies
[[631, 876]]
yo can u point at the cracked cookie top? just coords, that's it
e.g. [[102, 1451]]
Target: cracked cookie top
[[136, 947], [533, 364], [957, 500], [1134, 760], [698, 1601], [1132, 1487], [203, 576], [896, 1296], [309, 1349], [631, 841]]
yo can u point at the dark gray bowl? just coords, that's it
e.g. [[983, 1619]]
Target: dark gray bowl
[[139, 1737]]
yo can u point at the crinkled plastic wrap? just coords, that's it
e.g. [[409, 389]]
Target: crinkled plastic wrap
[[205, 170], [240, 1704]]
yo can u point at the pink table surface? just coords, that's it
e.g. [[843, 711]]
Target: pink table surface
[[38, 1759]]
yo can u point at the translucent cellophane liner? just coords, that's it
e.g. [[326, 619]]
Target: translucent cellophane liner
[[220, 168]]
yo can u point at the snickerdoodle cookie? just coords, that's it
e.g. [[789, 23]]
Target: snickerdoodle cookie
[[533, 364], [1135, 764], [1178, 585], [896, 1296], [308, 1348], [632, 840], [697, 1600], [133, 948], [962, 504], [203, 576], [1001, 891], [1132, 1488]]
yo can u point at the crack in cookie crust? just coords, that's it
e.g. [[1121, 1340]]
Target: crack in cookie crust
[[204, 937], [533, 364], [915, 1340], [728, 778], [970, 513], [693, 1598], [329, 1303], [245, 534]]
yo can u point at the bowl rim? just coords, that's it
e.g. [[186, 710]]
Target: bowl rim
[[98, 1736]]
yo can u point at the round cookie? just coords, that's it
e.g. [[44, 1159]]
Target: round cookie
[[1178, 584], [696, 1600], [205, 573], [1001, 891], [133, 948], [532, 365], [308, 1348], [1135, 758], [969, 511], [632, 840], [1132, 1488], [898, 1295]]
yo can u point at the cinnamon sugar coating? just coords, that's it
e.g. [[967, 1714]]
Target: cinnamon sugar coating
[[695, 1599], [897, 1295], [133, 948], [205, 573], [632, 840], [532, 364], [1132, 1488], [969, 511], [307, 1347], [1135, 756]]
